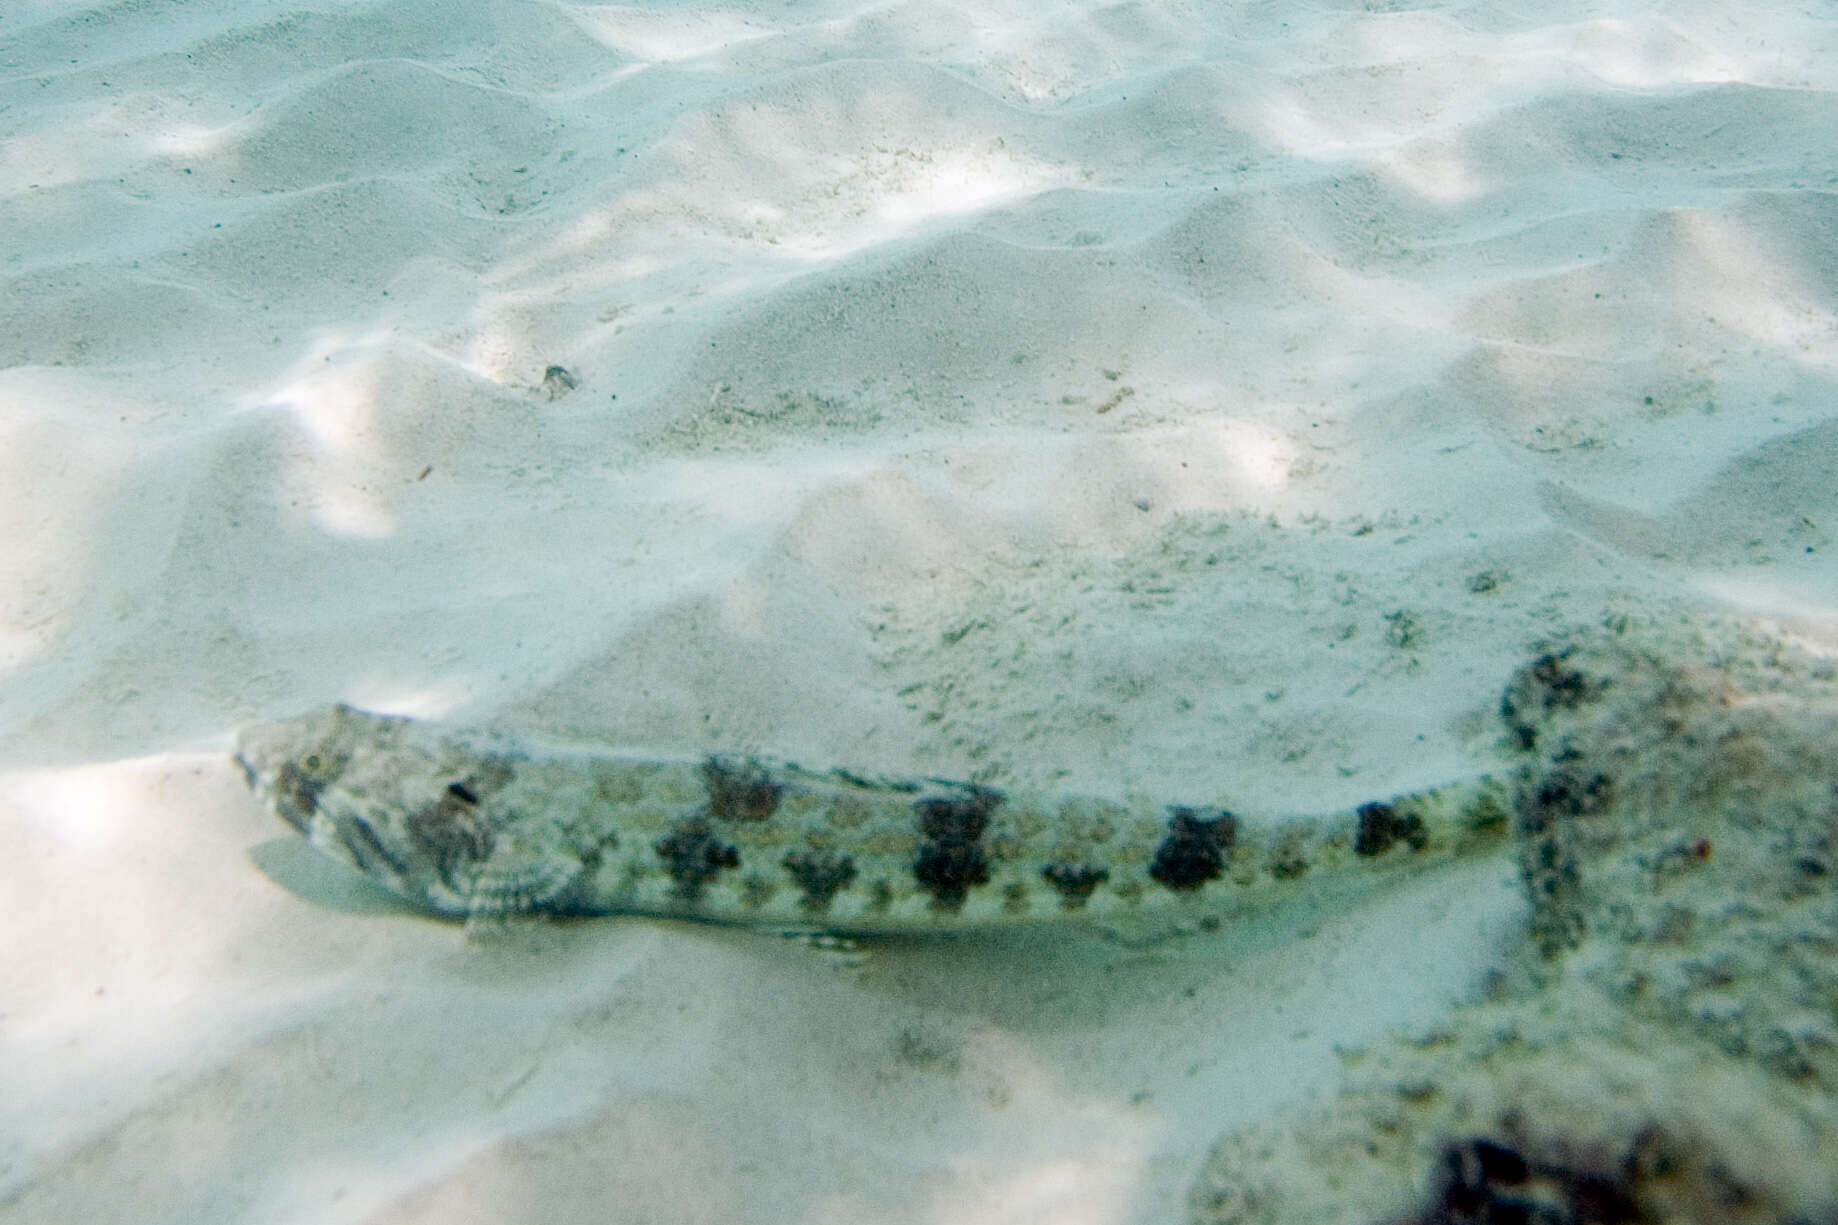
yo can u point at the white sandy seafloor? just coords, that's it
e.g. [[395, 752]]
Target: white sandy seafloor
[[1208, 400]]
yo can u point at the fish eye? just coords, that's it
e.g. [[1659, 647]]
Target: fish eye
[[313, 765]]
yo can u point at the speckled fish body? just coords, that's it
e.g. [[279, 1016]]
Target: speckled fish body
[[472, 825]]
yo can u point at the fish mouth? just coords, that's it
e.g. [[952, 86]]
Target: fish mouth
[[290, 798]]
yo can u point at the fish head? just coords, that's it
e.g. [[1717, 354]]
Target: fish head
[[327, 775]]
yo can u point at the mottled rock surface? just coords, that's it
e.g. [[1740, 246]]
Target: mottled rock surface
[[1665, 1046]]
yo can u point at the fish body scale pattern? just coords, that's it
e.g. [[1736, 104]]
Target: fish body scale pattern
[[472, 825]]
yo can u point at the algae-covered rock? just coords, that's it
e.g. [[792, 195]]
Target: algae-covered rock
[[1666, 1046]]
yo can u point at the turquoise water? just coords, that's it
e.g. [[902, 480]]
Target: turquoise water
[[1152, 398]]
